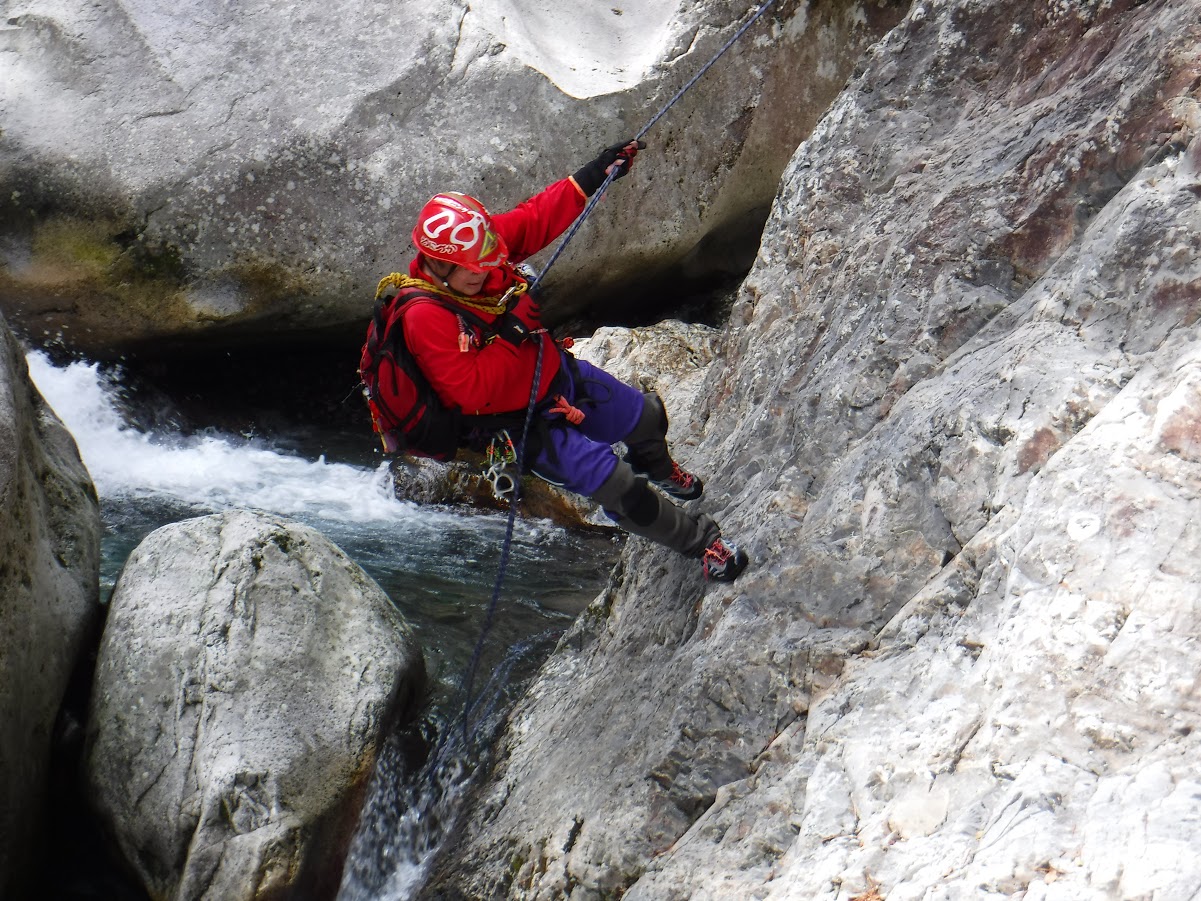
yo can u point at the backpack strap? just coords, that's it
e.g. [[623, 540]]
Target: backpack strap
[[397, 293]]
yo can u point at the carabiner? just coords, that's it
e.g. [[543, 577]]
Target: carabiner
[[503, 484], [501, 449]]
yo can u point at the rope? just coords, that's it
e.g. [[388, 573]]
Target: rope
[[506, 547], [609, 179]]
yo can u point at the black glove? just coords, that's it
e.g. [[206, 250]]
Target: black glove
[[516, 325], [592, 176]]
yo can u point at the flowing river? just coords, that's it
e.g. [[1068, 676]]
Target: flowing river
[[437, 566]]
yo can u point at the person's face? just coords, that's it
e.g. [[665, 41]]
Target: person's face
[[465, 281]]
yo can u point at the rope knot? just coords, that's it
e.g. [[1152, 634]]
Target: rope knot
[[574, 415]]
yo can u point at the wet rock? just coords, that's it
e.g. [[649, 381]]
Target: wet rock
[[465, 483], [49, 605], [246, 676], [955, 427]]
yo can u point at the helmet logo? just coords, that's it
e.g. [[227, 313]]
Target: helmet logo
[[464, 234]]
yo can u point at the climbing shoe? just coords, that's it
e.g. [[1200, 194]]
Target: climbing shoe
[[723, 562], [681, 484]]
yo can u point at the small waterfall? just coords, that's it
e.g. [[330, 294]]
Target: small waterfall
[[146, 479], [207, 471], [410, 814]]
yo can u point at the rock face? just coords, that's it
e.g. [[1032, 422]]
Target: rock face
[[956, 425], [49, 578], [260, 166], [246, 673]]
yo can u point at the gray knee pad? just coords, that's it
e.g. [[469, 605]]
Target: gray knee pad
[[641, 504], [640, 510], [626, 495], [652, 424]]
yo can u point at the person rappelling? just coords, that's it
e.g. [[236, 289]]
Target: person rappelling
[[456, 353]]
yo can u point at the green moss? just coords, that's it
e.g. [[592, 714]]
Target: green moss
[[99, 254], [74, 249], [154, 262]]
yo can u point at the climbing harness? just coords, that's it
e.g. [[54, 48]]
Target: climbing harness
[[406, 412], [506, 546]]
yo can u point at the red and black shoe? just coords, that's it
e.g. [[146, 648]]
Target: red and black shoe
[[723, 562], [681, 484]]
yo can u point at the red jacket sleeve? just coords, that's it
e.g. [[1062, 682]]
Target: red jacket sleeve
[[534, 223]]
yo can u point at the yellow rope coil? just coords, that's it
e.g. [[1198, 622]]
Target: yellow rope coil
[[493, 304]]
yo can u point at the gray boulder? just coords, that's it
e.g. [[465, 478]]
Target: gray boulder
[[957, 428], [49, 605], [246, 676], [261, 165]]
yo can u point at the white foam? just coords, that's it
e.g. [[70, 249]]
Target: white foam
[[213, 472]]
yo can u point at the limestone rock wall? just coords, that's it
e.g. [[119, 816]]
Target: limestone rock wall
[[49, 605], [955, 425], [260, 165]]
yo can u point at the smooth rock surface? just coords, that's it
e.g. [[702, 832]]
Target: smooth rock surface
[[956, 428], [247, 672], [260, 165], [49, 604]]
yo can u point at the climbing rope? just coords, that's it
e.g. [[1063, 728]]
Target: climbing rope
[[600, 192], [506, 546], [505, 549]]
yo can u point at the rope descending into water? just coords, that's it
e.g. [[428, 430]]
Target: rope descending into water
[[506, 547]]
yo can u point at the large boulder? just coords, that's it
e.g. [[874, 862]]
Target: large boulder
[[260, 165], [957, 427], [247, 673], [49, 604]]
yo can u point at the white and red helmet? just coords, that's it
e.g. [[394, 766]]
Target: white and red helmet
[[456, 228]]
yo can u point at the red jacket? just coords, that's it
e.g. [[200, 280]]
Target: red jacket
[[496, 377]]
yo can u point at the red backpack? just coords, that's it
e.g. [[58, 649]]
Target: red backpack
[[405, 410]]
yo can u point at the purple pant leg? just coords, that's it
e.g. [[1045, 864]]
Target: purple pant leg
[[581, 457]]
